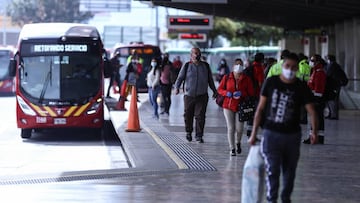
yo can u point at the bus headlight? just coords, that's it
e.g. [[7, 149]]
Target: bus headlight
[[95, 106], [25, 107]]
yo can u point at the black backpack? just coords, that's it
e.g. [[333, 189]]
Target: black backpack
[[249, 71], [330, 89]]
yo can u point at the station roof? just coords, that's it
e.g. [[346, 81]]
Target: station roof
[[287, 14]]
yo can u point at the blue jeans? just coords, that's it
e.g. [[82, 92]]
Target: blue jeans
[[153, 94], [281, 152]]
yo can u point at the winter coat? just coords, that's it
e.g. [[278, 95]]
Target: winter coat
[[242, 84], [317, 80]]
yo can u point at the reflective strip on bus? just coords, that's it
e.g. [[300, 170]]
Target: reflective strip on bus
[[81, 109], [38, 110], [69, 111], [50, 111]]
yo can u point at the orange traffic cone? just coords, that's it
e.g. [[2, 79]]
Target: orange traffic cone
[[133, 120], [121, 103]]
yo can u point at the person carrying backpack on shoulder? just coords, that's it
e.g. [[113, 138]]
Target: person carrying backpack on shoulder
[[165, 81], [256, 73], [198, 77], [336, 73]]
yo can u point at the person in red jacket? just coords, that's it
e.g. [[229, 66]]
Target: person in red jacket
[[259, 75], [317, 84], [235, 86]]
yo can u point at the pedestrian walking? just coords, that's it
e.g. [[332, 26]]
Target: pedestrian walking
[[153, 83], [235, 87], [197, 76], [278, 112]]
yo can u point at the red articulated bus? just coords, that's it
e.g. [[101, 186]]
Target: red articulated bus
[[59, 77], [7, 83]]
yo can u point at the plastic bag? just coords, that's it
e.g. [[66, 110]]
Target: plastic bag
[[253, 180]]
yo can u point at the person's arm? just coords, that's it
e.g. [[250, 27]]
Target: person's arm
[[310, 108], [257, 119], [181, 78], [211, 81]]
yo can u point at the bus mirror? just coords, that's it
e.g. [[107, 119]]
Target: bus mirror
[[12, 67]]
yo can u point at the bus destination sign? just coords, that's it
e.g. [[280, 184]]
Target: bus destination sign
[[37, 48]]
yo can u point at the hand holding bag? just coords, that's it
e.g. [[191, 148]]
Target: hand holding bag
[[253, 180]]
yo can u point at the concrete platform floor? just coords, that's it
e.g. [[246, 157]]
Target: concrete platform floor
[[167, 168]]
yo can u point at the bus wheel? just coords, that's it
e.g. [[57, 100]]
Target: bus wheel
[[26, 133]]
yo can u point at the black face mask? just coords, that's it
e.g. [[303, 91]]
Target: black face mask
[[198, 57]]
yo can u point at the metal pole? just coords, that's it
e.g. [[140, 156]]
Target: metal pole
[[157, 26], [4, 27]]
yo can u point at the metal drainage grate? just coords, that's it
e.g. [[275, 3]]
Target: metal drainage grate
[[190, 157], [80, 176]]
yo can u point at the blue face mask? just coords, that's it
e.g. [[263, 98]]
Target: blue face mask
[[153, 64]]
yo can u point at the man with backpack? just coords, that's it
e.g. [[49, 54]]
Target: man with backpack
[[256, 73], [339, 79], [197, 76]]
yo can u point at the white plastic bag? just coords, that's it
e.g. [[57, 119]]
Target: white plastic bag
[[252, 189]]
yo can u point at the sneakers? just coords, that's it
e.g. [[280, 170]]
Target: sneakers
[[238, 148], [188, 137], [199, 140], [232, 152], [307, 141]]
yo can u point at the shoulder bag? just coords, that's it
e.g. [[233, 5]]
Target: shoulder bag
[[219, 98]]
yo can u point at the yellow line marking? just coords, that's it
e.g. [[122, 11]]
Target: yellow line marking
[[69, 111], [166, 148]]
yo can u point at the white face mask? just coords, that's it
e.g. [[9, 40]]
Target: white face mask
[[288, 73], [238, 68], [153, 64], [311, 63]]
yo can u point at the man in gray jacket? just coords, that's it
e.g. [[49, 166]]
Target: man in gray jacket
[[197, 76]]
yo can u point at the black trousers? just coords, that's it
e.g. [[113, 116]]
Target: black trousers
[[114, 77], [166, 94], [281, 152], [195, 107]]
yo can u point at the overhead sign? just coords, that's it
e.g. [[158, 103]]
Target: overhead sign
[[105, 5], [204, 22], [196, 37]]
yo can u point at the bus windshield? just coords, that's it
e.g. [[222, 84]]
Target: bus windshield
[[64, 77]]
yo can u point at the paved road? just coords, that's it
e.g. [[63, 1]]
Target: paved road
[[53, 151]]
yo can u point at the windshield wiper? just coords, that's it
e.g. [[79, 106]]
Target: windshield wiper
[[46, 83]]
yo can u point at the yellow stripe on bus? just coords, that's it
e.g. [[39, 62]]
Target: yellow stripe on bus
[[81, 109], [68, 112], [38, 109], [50, 111]]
